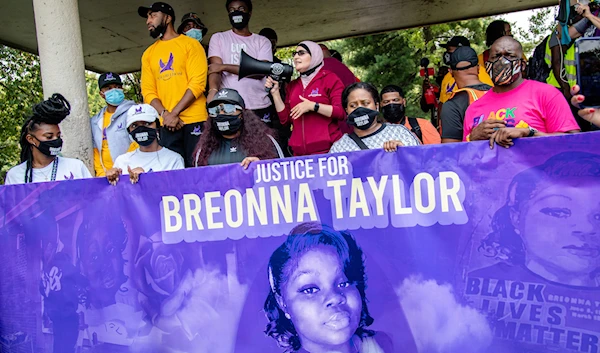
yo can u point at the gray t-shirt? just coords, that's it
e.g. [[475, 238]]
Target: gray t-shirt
[[376, 140]]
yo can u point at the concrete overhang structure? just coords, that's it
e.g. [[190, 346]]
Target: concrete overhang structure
[[114, 36]]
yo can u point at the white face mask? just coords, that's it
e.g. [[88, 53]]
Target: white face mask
[[195, 33]]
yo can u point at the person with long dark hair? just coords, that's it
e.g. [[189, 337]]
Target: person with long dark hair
[[317, 297], [234, 134], [41, 144], [550, 223]]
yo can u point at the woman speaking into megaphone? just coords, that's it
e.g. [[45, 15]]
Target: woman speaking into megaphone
[[313, 103]]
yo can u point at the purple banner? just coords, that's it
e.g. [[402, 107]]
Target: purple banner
[[432, 249]]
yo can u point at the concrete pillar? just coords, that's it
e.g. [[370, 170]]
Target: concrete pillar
[[63, 71]]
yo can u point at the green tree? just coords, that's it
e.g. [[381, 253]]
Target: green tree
[[540, 25], [394, 57], [20, 85]]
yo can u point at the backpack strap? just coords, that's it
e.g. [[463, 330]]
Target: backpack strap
[[474, 94], [415, 128], [358, 141]]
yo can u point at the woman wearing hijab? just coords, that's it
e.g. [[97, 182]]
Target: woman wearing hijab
[[313, 103], [41, 145]]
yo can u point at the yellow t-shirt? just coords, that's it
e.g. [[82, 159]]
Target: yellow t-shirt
[[171, 67], [102, 159], [449, 86]]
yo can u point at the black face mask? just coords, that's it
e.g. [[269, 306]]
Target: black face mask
[[394, 113], [227, 124], [50, 148], [159, 31], [362, 118], [144, 135], [239, 19]]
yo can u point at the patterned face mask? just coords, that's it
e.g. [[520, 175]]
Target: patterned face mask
[[504, 71]]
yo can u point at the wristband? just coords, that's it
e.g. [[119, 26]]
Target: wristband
[[468, 138], [532, 132], [213, 89], [316, 107], [163, 112]]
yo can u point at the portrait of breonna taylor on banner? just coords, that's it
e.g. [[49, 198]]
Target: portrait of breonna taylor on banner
[[546, 241], [317, 299]]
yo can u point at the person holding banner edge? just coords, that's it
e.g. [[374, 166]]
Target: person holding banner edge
[[361, 101], [144, 128]]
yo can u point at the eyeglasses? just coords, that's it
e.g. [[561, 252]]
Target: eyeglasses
[[223, 107], [299, 52]]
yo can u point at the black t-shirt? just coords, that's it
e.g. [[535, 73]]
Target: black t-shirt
[[453, 113], [229, 151]]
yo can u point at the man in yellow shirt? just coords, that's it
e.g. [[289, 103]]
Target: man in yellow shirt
[[174, 71], [109, 130], [448, 84]]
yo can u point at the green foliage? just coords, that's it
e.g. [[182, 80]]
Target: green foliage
[[540, 25], [394, 57], [20, 85], [95, 101], [21, 88]]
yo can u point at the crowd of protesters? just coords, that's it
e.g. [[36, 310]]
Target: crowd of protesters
[[197, 111]]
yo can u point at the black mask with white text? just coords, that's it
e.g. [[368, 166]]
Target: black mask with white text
[[50, 148], [239, 19], [144, 135], [227, 124], [362, 118]]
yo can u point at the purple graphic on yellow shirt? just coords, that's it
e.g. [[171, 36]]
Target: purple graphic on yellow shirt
[[168, 66]]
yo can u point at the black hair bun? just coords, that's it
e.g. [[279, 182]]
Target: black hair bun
[[52, 111]]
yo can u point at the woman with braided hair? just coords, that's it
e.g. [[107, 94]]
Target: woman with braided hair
[[41, 145]]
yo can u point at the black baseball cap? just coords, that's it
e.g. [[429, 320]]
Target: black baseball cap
[[193, 17], [156, 7], [108, 78], [457, 41], [227, 95], [463, 54]]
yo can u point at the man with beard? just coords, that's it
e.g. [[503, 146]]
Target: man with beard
[[224, 55], [525, 108], [174, 71], [394, 109]]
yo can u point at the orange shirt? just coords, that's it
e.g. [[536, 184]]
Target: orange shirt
[[430, 134]]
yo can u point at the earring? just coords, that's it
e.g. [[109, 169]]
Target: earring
[[288, 316]]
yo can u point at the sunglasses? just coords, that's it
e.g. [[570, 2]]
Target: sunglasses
[[223, 107], [299, 52]]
